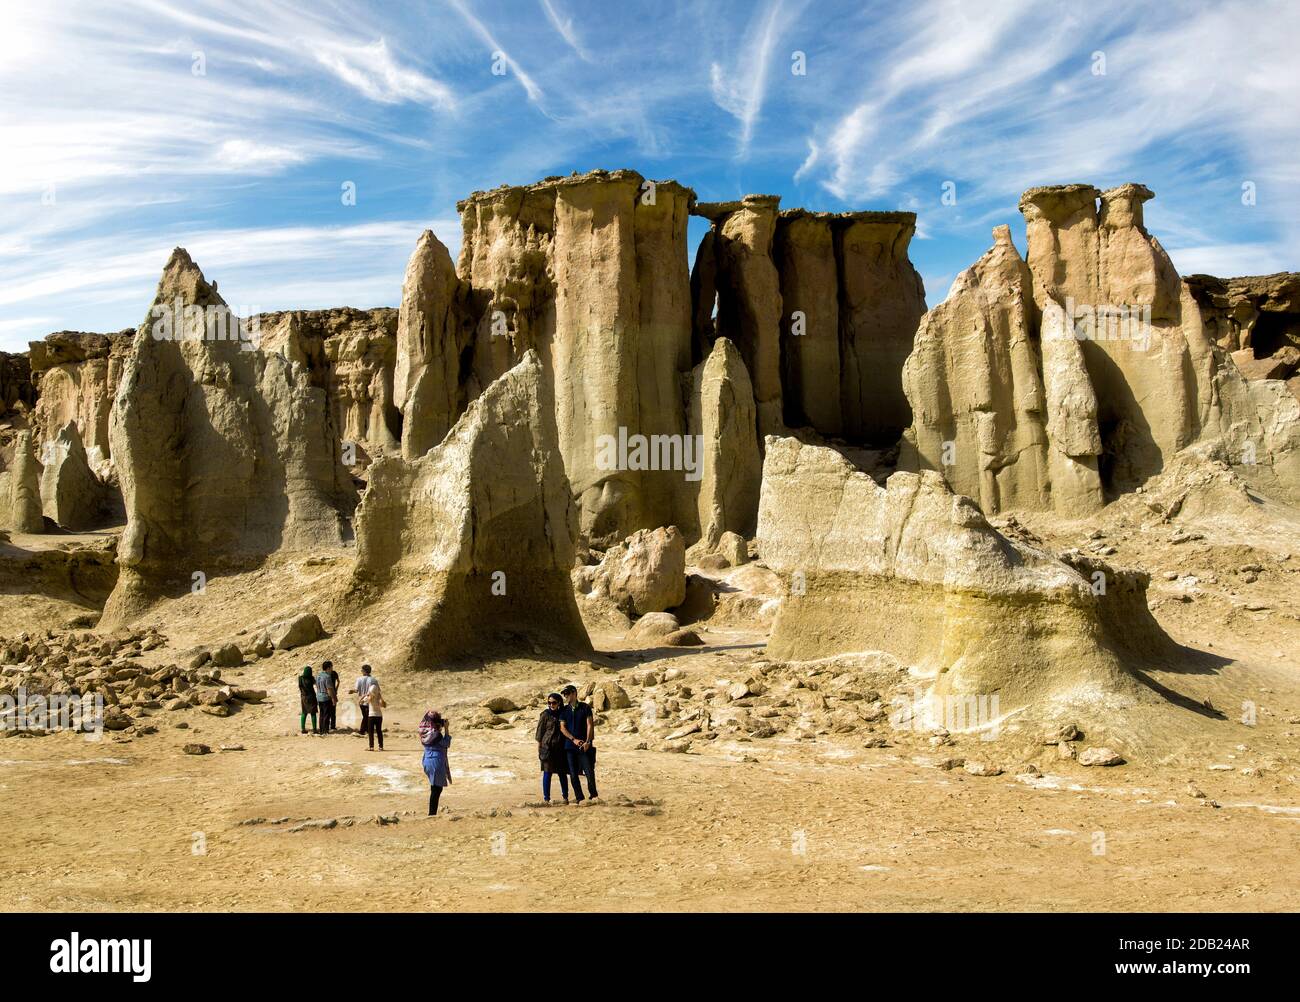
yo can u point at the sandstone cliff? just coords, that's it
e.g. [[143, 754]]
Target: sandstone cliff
[[225, 453], [471, 544], [76, 375]]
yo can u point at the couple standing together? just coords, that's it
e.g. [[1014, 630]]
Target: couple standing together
[[566, 744]]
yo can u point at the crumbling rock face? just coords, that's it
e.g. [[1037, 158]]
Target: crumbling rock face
[[351, 355], [76, 376], [225, 454], [1256, 319], [71, 494], [975, 381], [590, 272], [643, 574], [20, 489], [917, 571], [748, 290], [479, 531]]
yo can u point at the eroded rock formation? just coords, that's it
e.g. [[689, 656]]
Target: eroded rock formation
[[71, 494], [1068, 381], [351, 354], [20, 488], [76, 376], [226, 453], [472, 542], [1256, 319], [915, 570], [722, 421]]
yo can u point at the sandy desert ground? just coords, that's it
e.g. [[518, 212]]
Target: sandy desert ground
[[1207, 818]]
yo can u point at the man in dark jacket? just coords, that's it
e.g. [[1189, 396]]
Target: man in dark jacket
[[579, 727]]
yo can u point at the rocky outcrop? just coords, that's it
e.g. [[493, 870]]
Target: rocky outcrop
[[17, 391], [1256, 319], [226, 453], [350, 354], [748, 294], [590, 271], [643, 574], [71, 494], [472, 543], [435, 333], [722, 421], [915, 570], [20, 488], [881, 301], [1063, 385], [823, 307], [76, 376]]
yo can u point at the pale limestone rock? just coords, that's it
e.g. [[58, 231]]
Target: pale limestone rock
[[749, 295], [590, 270], [434, 330], [71, 495], [20, 488], [350, 354], [645, 573], [974, 382], [472, 541], [810, 320], [882, 299], [226, 452], [987, 613], [76, 376], [722, 416]]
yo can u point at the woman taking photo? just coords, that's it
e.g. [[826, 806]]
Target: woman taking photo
[[435, 736]]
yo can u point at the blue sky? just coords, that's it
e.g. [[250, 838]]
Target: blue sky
[[114, 148]]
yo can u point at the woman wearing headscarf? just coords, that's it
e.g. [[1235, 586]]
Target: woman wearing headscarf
[[435, 736], [307, 700], [550, 748]]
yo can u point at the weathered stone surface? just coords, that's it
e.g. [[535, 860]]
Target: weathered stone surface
[[71, 494], [1257, 312], [297, 631], [810, 320], [434, 334], [76, 376], [1081, 392], [645, 573], [987, 613], [17, 391], [351, 355], [225, 453], [723, 418], [473, 541], [749, 311], [590, 270], [20, 488], [881, 302], [977, 394]]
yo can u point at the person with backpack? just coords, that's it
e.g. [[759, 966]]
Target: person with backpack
[[550, 748], [325, 695], [435, 737], [307, 701], [372, 709]]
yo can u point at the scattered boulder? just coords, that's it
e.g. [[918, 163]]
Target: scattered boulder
[[1100, 756], [195, 748], [643, 574]]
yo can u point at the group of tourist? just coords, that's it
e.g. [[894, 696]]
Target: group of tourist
[[318, 694], [566, 731]]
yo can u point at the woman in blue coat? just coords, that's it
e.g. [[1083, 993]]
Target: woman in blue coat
[[435, 736]]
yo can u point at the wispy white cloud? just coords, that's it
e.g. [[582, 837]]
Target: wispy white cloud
[[564, 25], [529, 85], [740, 89]]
